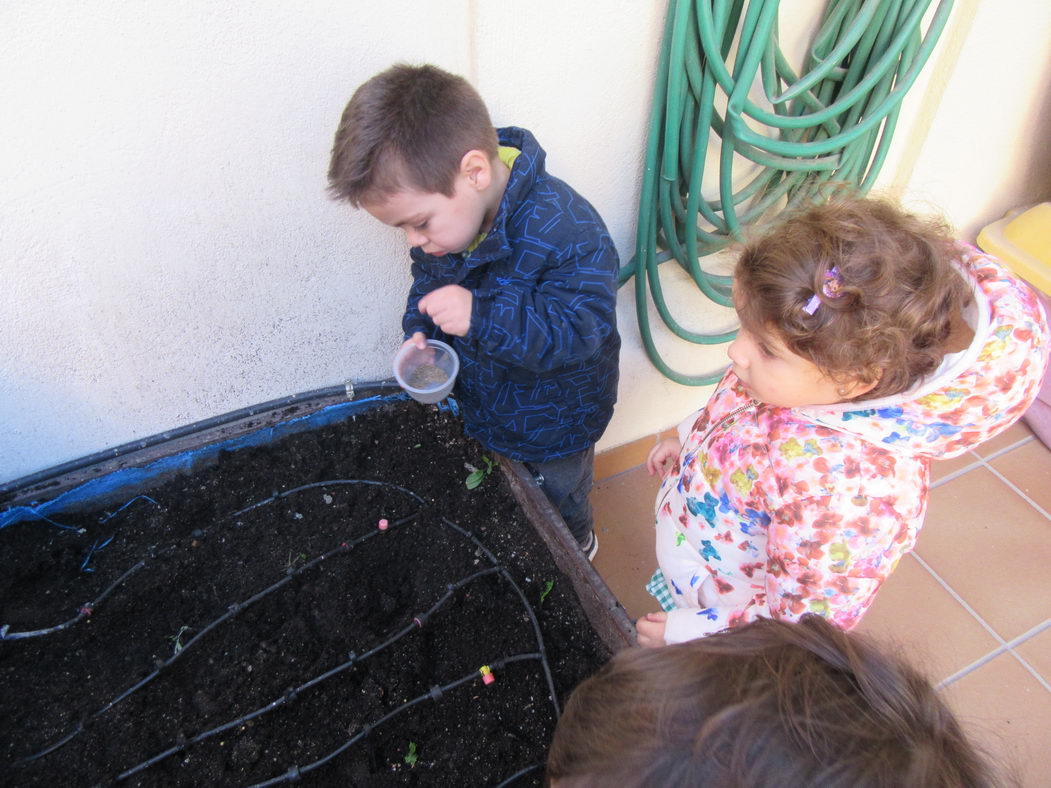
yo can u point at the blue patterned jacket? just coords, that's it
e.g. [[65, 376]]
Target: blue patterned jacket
[[538, 367]]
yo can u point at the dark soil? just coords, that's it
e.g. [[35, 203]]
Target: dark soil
[[198, 558]]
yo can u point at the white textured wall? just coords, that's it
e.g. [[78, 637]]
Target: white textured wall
[[980, 141], [168, 250]]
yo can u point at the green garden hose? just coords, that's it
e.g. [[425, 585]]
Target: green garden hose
[[831, 124]]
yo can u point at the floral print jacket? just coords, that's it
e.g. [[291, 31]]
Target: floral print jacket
[[777, 512]]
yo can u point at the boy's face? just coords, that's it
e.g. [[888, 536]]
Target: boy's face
[[439, 225]]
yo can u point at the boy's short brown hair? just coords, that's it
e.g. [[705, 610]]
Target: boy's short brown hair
[[771, 704], [407, 127], [899, 300]]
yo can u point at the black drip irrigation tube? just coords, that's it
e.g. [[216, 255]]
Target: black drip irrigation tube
[[83, 611], [296, 771]]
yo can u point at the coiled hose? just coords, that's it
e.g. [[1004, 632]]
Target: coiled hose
[[831, 124]]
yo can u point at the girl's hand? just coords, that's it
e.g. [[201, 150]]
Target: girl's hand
[[650, 629], [663, 453]]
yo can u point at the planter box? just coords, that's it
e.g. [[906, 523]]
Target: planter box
[[382, 755]]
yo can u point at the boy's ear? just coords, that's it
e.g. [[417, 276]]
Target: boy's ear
[[476, 169]]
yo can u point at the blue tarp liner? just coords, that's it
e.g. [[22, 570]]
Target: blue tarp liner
[[130, 480]]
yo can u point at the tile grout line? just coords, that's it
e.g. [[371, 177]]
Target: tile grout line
[[1006, 648], [618, 474], [1017, 489], [958, 598], [957, 473], [1001, 452], [1003, 647], [1040, 679], [979, 461], [981, 661], [1031, 633]]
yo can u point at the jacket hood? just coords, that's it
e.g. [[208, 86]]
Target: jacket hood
[[975, 394], [527, 169]]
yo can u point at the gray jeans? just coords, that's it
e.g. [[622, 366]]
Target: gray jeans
[[566, 481]]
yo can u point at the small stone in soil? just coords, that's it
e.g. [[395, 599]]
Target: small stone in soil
[[427, 376]]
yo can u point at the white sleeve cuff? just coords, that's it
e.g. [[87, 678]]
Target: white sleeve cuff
[[687, 623]]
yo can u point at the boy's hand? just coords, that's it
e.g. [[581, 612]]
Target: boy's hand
[[449, 308], [418, 339], [660, 455], [650, 629]]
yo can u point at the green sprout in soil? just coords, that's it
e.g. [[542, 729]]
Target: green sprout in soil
[[410, 756], [176, 639], [547, 590], [477, 475], [293, 560]]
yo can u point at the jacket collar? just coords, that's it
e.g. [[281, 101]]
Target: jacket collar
[[528, 167]]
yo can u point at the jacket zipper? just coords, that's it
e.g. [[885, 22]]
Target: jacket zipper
[[708, 434]]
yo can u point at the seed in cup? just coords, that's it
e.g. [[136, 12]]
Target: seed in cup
[[427, 376]]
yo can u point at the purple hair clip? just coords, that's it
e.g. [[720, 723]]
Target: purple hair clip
[[832, 288]]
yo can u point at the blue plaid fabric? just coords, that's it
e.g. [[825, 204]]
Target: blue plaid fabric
[[658, 587], [538, 368]]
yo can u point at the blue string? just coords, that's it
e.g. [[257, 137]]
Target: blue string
[[95, 547], [125, 506], [19, 513]]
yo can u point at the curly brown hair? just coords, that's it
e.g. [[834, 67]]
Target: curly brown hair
[[407, 127], [898, 301], [771, 703]]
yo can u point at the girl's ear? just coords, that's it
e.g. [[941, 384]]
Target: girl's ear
[[855, 388], [476, 170]]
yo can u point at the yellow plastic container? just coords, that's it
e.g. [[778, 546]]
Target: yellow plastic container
[[1022, 240]]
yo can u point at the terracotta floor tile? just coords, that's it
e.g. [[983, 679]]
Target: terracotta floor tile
[[623, 458], [934, 631], [1037, 652], [981, 537], [1012, 434], [1029, 467], [1007, 711], [992, 548], [624, 522], [942, 468]]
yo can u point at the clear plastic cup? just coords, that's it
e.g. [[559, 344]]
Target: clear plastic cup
[[427, 375]]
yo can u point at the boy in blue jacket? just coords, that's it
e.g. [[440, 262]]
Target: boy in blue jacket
[[510, 266]]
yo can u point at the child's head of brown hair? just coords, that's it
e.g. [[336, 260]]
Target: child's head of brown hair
[[408, 127], [770, 703], [899, 296]]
